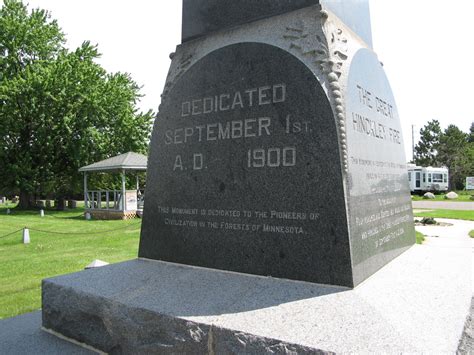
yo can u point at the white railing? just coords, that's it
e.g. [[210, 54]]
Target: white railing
[[104, 200]]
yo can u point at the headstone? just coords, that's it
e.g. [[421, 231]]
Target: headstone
[[26, 236], [41, 213], [88, 216], [277, 151], [2, 200]]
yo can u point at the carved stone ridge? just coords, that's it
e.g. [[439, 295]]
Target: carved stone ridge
[[329, 51]]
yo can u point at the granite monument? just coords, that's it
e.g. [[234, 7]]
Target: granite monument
[[277, 149]]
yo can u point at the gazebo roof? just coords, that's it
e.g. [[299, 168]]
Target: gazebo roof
[[127, 161]]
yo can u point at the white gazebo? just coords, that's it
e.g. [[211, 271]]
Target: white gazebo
[[114, 204]]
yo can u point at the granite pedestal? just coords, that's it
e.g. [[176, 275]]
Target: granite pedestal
[[417, 303], [277, 151]]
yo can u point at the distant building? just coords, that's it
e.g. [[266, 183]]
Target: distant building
[[423, 179]]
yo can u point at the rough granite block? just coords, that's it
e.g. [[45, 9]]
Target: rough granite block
[[144, 306]]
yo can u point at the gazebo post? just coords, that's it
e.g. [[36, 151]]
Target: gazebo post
[[138, 184], [86, 194], [124, 203]]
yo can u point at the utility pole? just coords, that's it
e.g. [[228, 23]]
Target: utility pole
[[413, 142]]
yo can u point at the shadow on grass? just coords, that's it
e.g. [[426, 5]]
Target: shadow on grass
[[77, 213]]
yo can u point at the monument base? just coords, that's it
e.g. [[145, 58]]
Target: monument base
[[152, 306]]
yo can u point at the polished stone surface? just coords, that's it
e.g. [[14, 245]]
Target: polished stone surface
[[245, 173], [418, 303], [201, 17], [379, 203]]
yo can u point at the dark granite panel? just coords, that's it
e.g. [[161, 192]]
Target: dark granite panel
[[380, 212], [201, 17], [244, 171]]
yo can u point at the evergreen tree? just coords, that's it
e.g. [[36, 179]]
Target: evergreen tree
[[453, 151], [426, 150]]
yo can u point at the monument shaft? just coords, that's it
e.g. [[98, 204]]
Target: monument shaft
[[278, 151]]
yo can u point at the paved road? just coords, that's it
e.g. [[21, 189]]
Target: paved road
[[465, 206]]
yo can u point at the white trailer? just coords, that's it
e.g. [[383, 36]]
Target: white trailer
[[423, 179]]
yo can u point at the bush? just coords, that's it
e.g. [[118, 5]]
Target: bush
[[428, 220]]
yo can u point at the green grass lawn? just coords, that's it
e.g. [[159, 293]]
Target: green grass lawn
[[463, 197], [420, 238], [22, 267], [453, 214]]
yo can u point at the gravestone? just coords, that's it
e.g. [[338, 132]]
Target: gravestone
[[277, 150]]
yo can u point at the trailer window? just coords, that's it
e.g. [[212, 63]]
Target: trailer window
[[409, 177], [424, 177], [437, 177], [429, 177], [445, 177]]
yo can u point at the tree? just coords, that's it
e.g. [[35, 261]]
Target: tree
[[453, 150], [59, 110], [462, 166], [471, 133], [427, 148]]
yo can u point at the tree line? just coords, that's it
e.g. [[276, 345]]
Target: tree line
[[452, 148], [59, 109]]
